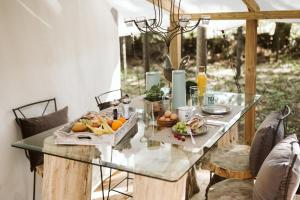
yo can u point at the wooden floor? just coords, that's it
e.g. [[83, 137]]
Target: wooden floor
[[202, 178], [118, 176]]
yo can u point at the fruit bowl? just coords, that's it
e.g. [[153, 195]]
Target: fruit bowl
[[166, 123], [168, 119]]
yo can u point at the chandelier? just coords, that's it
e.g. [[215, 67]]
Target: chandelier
[[179, 23]]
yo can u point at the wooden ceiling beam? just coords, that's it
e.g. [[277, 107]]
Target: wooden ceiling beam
[[166, 5], [252, 5], [284, 14]]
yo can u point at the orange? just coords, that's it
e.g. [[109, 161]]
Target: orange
[[116, 124], [122, 119]]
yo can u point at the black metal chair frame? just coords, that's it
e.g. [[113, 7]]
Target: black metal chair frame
[[103, 105], [213, 178], [18, 110]]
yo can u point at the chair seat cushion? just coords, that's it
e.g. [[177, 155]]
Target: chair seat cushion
[[35, 125], [231, 162], [266, 137], [276, 179], [231, 189]]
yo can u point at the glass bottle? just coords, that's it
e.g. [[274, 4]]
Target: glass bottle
[[201, 81]]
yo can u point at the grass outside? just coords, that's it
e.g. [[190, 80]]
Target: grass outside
[[278, 83]]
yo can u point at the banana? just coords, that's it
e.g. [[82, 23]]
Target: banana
[[105, 125], [98, 131]]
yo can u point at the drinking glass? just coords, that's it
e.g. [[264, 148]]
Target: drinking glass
[[194, 94]]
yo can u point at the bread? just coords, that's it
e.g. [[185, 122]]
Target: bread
[[79, 127]]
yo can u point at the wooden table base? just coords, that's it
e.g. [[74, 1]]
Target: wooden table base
[[66, 179], [145, 188]]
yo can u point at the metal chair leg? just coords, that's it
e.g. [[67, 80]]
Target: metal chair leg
[[109, 183], [208, 186], [34, 174], [213, 179], [102, 184], [127, 185]]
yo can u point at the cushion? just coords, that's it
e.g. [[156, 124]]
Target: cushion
[[35, 125], [263, 141], [272, 181], [231, 189]]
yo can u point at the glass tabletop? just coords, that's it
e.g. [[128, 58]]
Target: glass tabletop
[[145, 151]]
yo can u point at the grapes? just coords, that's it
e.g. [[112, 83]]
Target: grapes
[[181, 127]]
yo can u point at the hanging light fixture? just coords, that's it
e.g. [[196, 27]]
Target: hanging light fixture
[[179, 23]]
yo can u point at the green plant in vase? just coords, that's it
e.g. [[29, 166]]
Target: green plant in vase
[[154, 94], [155, 103]]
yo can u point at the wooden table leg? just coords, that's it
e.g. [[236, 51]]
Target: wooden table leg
[[66, 179], [231, 137], [192, 187], [146, 188]]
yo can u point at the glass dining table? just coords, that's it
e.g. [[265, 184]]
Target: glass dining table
[[150, 152]]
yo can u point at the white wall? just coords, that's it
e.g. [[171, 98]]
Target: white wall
[[68, 49]]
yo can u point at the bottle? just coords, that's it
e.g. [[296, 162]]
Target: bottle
[[178, 89], [115, 104], [201, 81], [126, 102]]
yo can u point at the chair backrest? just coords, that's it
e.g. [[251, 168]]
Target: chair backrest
[[35, 109], [285, 113], [105, 99]]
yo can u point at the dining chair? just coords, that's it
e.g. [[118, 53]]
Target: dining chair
[[105, 100], [234, 161], [278, 178], [34, 118]]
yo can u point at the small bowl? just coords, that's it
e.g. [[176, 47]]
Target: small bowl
[[166, 123]]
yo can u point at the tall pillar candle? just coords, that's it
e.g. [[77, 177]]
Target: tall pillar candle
[[152, 78], [178, 89]]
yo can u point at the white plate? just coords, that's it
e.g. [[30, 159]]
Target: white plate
[[216, 109]]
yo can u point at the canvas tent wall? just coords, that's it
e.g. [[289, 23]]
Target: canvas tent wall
[[66, 49]]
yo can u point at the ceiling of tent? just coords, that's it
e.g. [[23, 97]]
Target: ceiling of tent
[[137, 8]]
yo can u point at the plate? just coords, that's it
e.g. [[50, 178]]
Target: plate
[[203, 130], [216, 109]]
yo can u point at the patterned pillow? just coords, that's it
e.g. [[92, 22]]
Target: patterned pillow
[[276, 179], [264, 140]]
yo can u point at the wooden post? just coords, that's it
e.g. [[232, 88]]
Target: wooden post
[[175, 50], [201, 47], [250, 77], [146, 61], [123, 40]]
